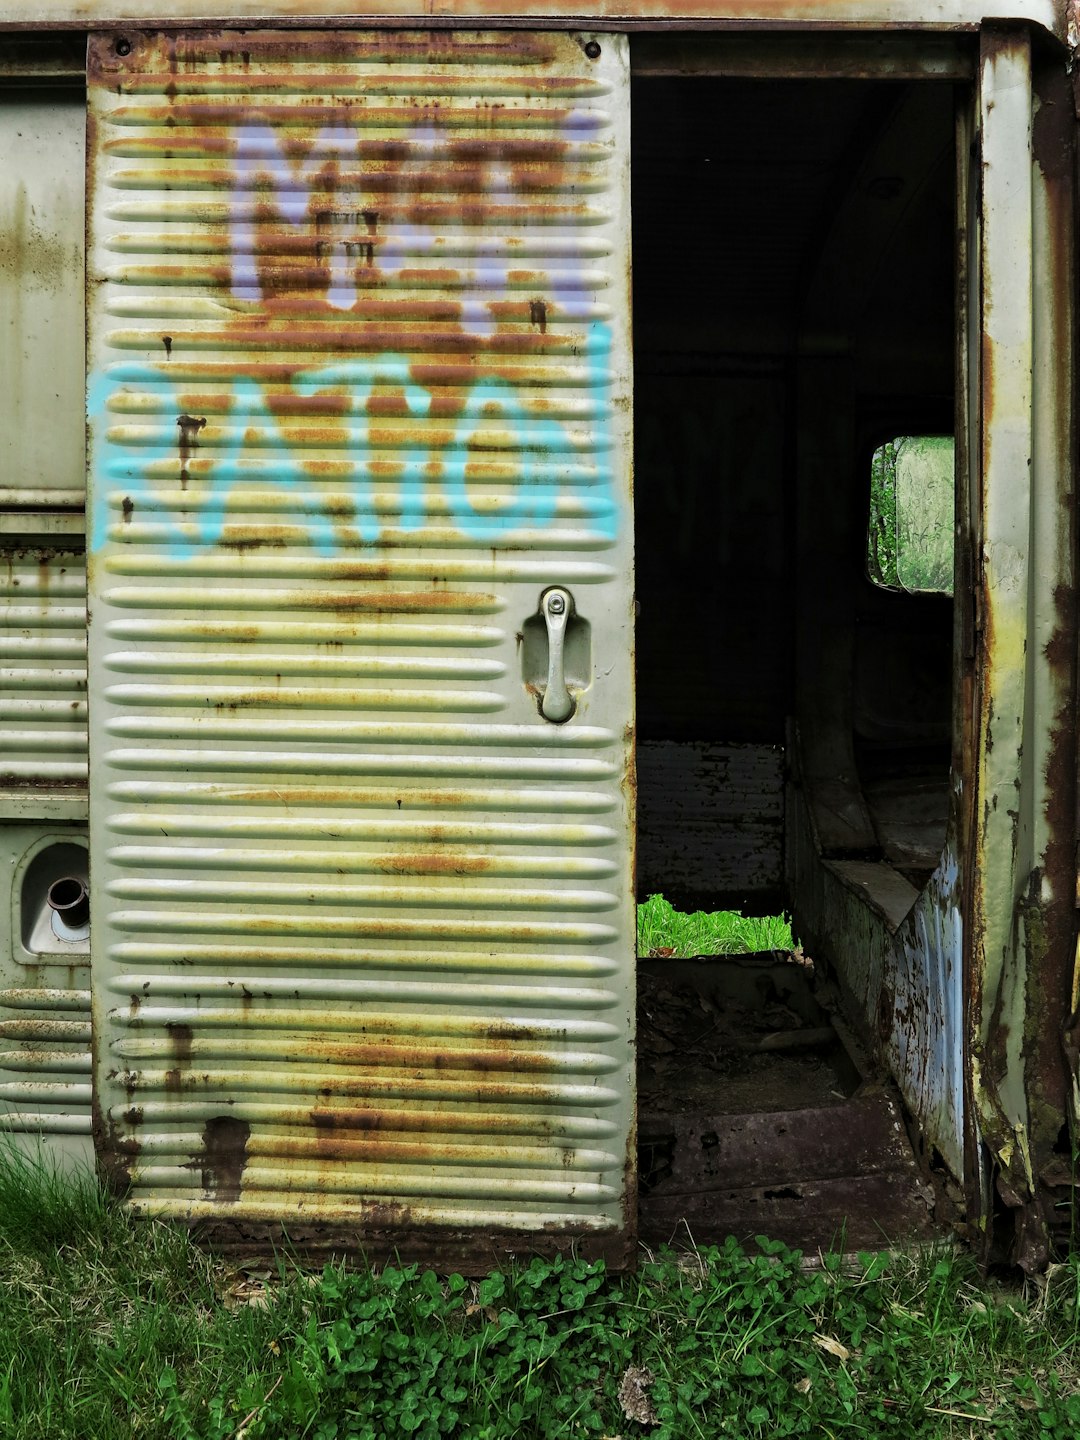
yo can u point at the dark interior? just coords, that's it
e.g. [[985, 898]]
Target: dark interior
[[794, 269], [794, 275]]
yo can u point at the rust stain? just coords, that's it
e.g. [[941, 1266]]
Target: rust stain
[[326, 1119], [251, 537], [390, 1215], [986, 374], [128, 509], [1045, 913], [379, 336], [439, 863], [188, 441], [507, 1030], [180, 1038], [1053, 130], [223, 1158], [501, 1053], [401, 602], [114, 1148], [371, 220], [1049, 910], [389, 1235]]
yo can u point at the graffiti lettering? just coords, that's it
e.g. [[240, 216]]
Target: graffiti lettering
[[248, 449], [504, 463], [259, 158]]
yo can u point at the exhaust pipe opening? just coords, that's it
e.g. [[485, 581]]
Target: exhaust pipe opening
[[70, 900]]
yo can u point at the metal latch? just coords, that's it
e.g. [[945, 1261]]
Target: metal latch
[[556, 703]]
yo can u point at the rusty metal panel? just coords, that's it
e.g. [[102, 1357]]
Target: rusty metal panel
[[42, 682], [1053, 15], [1022, 925], [1002, 821], [359, 395], [1048, 917]]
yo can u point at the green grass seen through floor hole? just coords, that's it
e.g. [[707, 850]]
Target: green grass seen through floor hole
[[113, 1328], [720, 932]]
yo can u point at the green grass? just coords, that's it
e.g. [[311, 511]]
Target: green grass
[[113, 1328], [663, 929]]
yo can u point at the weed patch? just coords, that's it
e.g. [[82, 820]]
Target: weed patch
[[732, 1341], [663, 930], [112, 1328]]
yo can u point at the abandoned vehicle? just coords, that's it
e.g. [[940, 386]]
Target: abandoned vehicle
[[437, 445]]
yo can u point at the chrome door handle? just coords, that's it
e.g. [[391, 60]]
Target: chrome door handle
[[557, 703]]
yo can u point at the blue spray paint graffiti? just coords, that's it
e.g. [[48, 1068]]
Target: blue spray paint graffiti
[[248, 446], [253, 452]]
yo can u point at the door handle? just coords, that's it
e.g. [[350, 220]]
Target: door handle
[[556, 704]]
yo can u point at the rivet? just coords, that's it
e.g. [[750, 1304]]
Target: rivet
[[123, 47], [592, 49]]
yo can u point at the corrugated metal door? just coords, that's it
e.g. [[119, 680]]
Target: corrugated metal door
[[359, 399]]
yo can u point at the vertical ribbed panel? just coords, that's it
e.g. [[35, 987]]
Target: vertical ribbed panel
[[363, 919], [42, 671]]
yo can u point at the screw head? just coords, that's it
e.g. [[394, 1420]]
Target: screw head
[[556, 605], [592, 49]]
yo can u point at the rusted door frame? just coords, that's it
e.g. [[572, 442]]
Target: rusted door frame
[[1021, 876]]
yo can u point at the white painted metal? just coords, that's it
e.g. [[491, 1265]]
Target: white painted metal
[[42, 373]]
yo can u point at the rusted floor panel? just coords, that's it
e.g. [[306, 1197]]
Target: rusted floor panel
[[754, 1119], [724, 1034], [466, 1250]]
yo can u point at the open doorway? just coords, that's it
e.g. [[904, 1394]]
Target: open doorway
[[794, 313]]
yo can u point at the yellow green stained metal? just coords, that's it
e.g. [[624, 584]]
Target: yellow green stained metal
[[359, 378]]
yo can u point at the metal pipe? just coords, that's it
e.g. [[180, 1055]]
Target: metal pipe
[[71, 901]]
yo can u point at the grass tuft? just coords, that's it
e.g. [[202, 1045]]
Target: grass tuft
[[44, 1205], [663, 930]]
